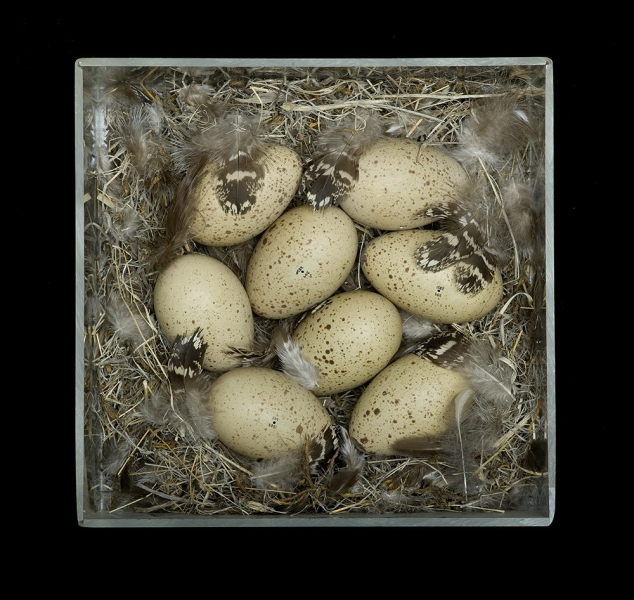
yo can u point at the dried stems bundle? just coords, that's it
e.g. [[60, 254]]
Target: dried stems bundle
[[151, 446]]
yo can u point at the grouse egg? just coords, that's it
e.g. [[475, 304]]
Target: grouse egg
[[349, 338], [300, 260], [389, 263], [263, 413], [397, 180], [410, 398], [214, 225], [195, 290]]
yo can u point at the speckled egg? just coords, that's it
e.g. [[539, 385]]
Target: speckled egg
[[195, 290], [300, 260], [263, 413], [213, 225], [350, 338], [389, 263], [399, 178], [410, 398]]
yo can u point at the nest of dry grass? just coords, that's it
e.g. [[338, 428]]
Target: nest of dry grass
[[136, 466]]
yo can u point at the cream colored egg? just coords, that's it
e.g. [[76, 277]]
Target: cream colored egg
[[195, 290], [301, 259], [263, 413], [389, 263], [349, 339], [410, 398], [214, 226], [399, 178]]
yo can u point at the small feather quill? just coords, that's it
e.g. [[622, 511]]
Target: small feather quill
[[461, 401]]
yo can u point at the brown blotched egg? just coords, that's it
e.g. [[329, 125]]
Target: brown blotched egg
[[350, 338], [195, 290], [399, 178], [263, 413], [214, 225], [389, 263], [300, 260], [410, 398]]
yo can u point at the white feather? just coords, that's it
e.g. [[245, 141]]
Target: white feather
[[415, 327], [489, 373], [282, 473], [461, 401], [293, 362]]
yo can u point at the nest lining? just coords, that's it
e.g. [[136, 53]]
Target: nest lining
[[135, 120]]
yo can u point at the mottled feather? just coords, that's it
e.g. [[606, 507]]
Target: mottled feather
[[334, 169]]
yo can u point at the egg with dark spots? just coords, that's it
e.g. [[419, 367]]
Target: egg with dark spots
[[389, 263], [300, 260], [350, 338], [214, 225], [263, 413], [410, 398], [196, 290], [400, 178]]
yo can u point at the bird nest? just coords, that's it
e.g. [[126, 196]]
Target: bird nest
[[142, 457]]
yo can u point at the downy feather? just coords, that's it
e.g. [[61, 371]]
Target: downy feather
[[183, 403], [334, 169], [241, 159], [283, 473], [292, 360], [525, 206], [178, 221], [494, 217], [115, 455], [140, 134], [415, 327], [196, 95], [229, 142], [184, 408], [346, 476], [467, 445], [126, 322], [125, 227], [495, 130], [489, 373], [489, 398]]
